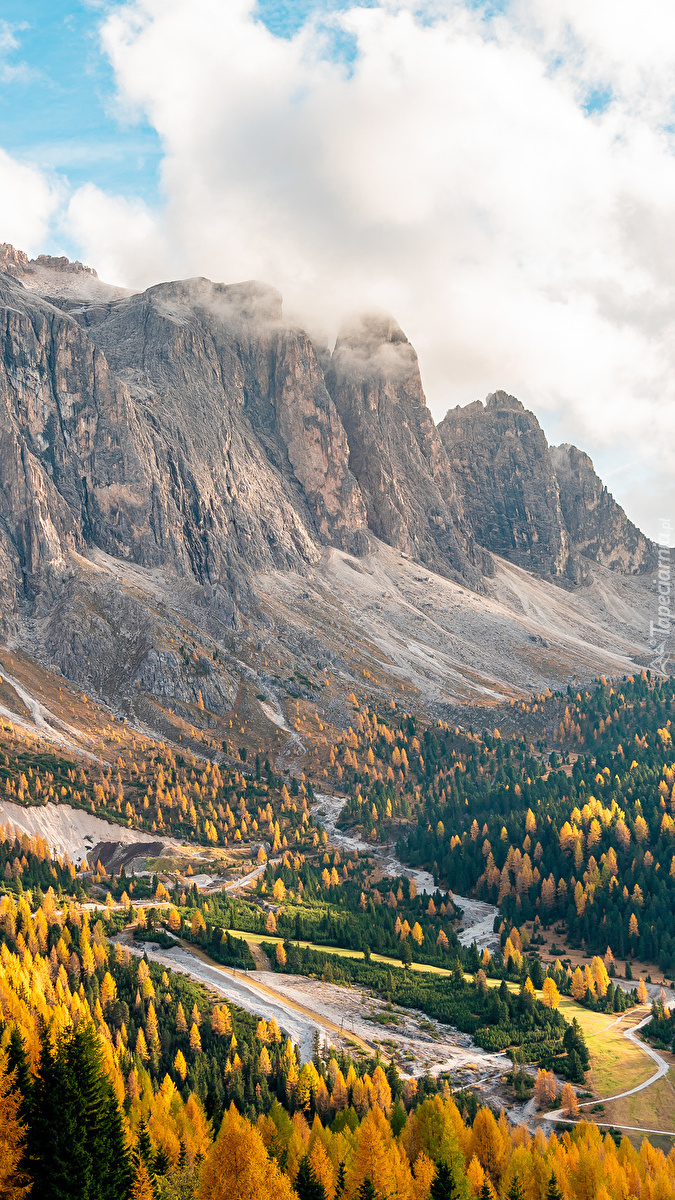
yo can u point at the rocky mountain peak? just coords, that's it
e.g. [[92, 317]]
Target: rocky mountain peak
[[251, 301], [366, 332], [17, 263], [61, 263], [543, 508], [13, 262], [598, 526], [395, 451], [500, 457], [501, 401]]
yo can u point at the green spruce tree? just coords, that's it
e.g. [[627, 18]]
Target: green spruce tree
[[443, 1186], [553, 1191], [77, 1148], [307, 1185]]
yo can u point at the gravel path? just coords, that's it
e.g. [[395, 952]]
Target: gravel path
[[478, 918], [662, 1069]]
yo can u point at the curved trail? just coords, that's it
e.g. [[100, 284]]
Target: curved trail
[[662, 1069], [478, 919]]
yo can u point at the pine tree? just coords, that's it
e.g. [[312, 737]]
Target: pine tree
[[105, 1137], [143, 1144], [553, 1191], [366, 1190], [17, 1062], [341, 1180], [161, 1163], [59, 1165], [443, 1186], [515, 1191], [485, 1193], [307, 1185], [77, 1147]]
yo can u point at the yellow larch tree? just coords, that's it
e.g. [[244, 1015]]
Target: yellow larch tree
[[569, 1102], [13, 1184], [578, 985], [237, 1166], [487, 1143], [549, 993]]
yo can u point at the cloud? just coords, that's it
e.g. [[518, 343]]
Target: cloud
[[29, 201], [119, 236], [503, 184], [13, 72]]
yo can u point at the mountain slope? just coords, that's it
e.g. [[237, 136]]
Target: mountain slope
[[190, 492]]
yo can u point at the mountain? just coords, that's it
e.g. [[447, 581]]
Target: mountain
[[598, 526], [192, 491], [499, 454], [539, 506], [396, 453]]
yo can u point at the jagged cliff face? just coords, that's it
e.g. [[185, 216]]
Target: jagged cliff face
[[598, 526], [541, 507], [499, 453], [244, 433], [191, 434], [396, 452], [186, 428]]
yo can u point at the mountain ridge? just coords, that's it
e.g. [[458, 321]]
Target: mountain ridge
[[166, 455]]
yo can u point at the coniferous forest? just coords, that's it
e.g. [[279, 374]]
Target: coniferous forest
[[122, 1079]]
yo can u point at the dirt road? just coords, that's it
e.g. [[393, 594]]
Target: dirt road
[[662, 1069]]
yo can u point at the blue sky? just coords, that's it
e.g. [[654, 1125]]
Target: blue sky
[[57, 106], [57, 95]]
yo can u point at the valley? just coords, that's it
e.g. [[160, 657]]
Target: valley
[[337, 782]]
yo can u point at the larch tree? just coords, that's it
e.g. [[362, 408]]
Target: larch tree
[[14, 1184], [569, 1102], [322, 1167], [545, 1089], [643, 994], [487, 1143], [142, 1187], [550, 995], [237, 1166]]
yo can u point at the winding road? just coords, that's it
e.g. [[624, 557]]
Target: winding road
[[261, 991], [662, 1069]]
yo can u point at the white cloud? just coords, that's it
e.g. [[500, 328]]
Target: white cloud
[[451, 174], [28, 202], [120, 236], [12, 72]]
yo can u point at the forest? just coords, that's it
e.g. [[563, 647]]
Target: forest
[[575, 831], [159, 790], [119, 1078], [121, 1081]]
